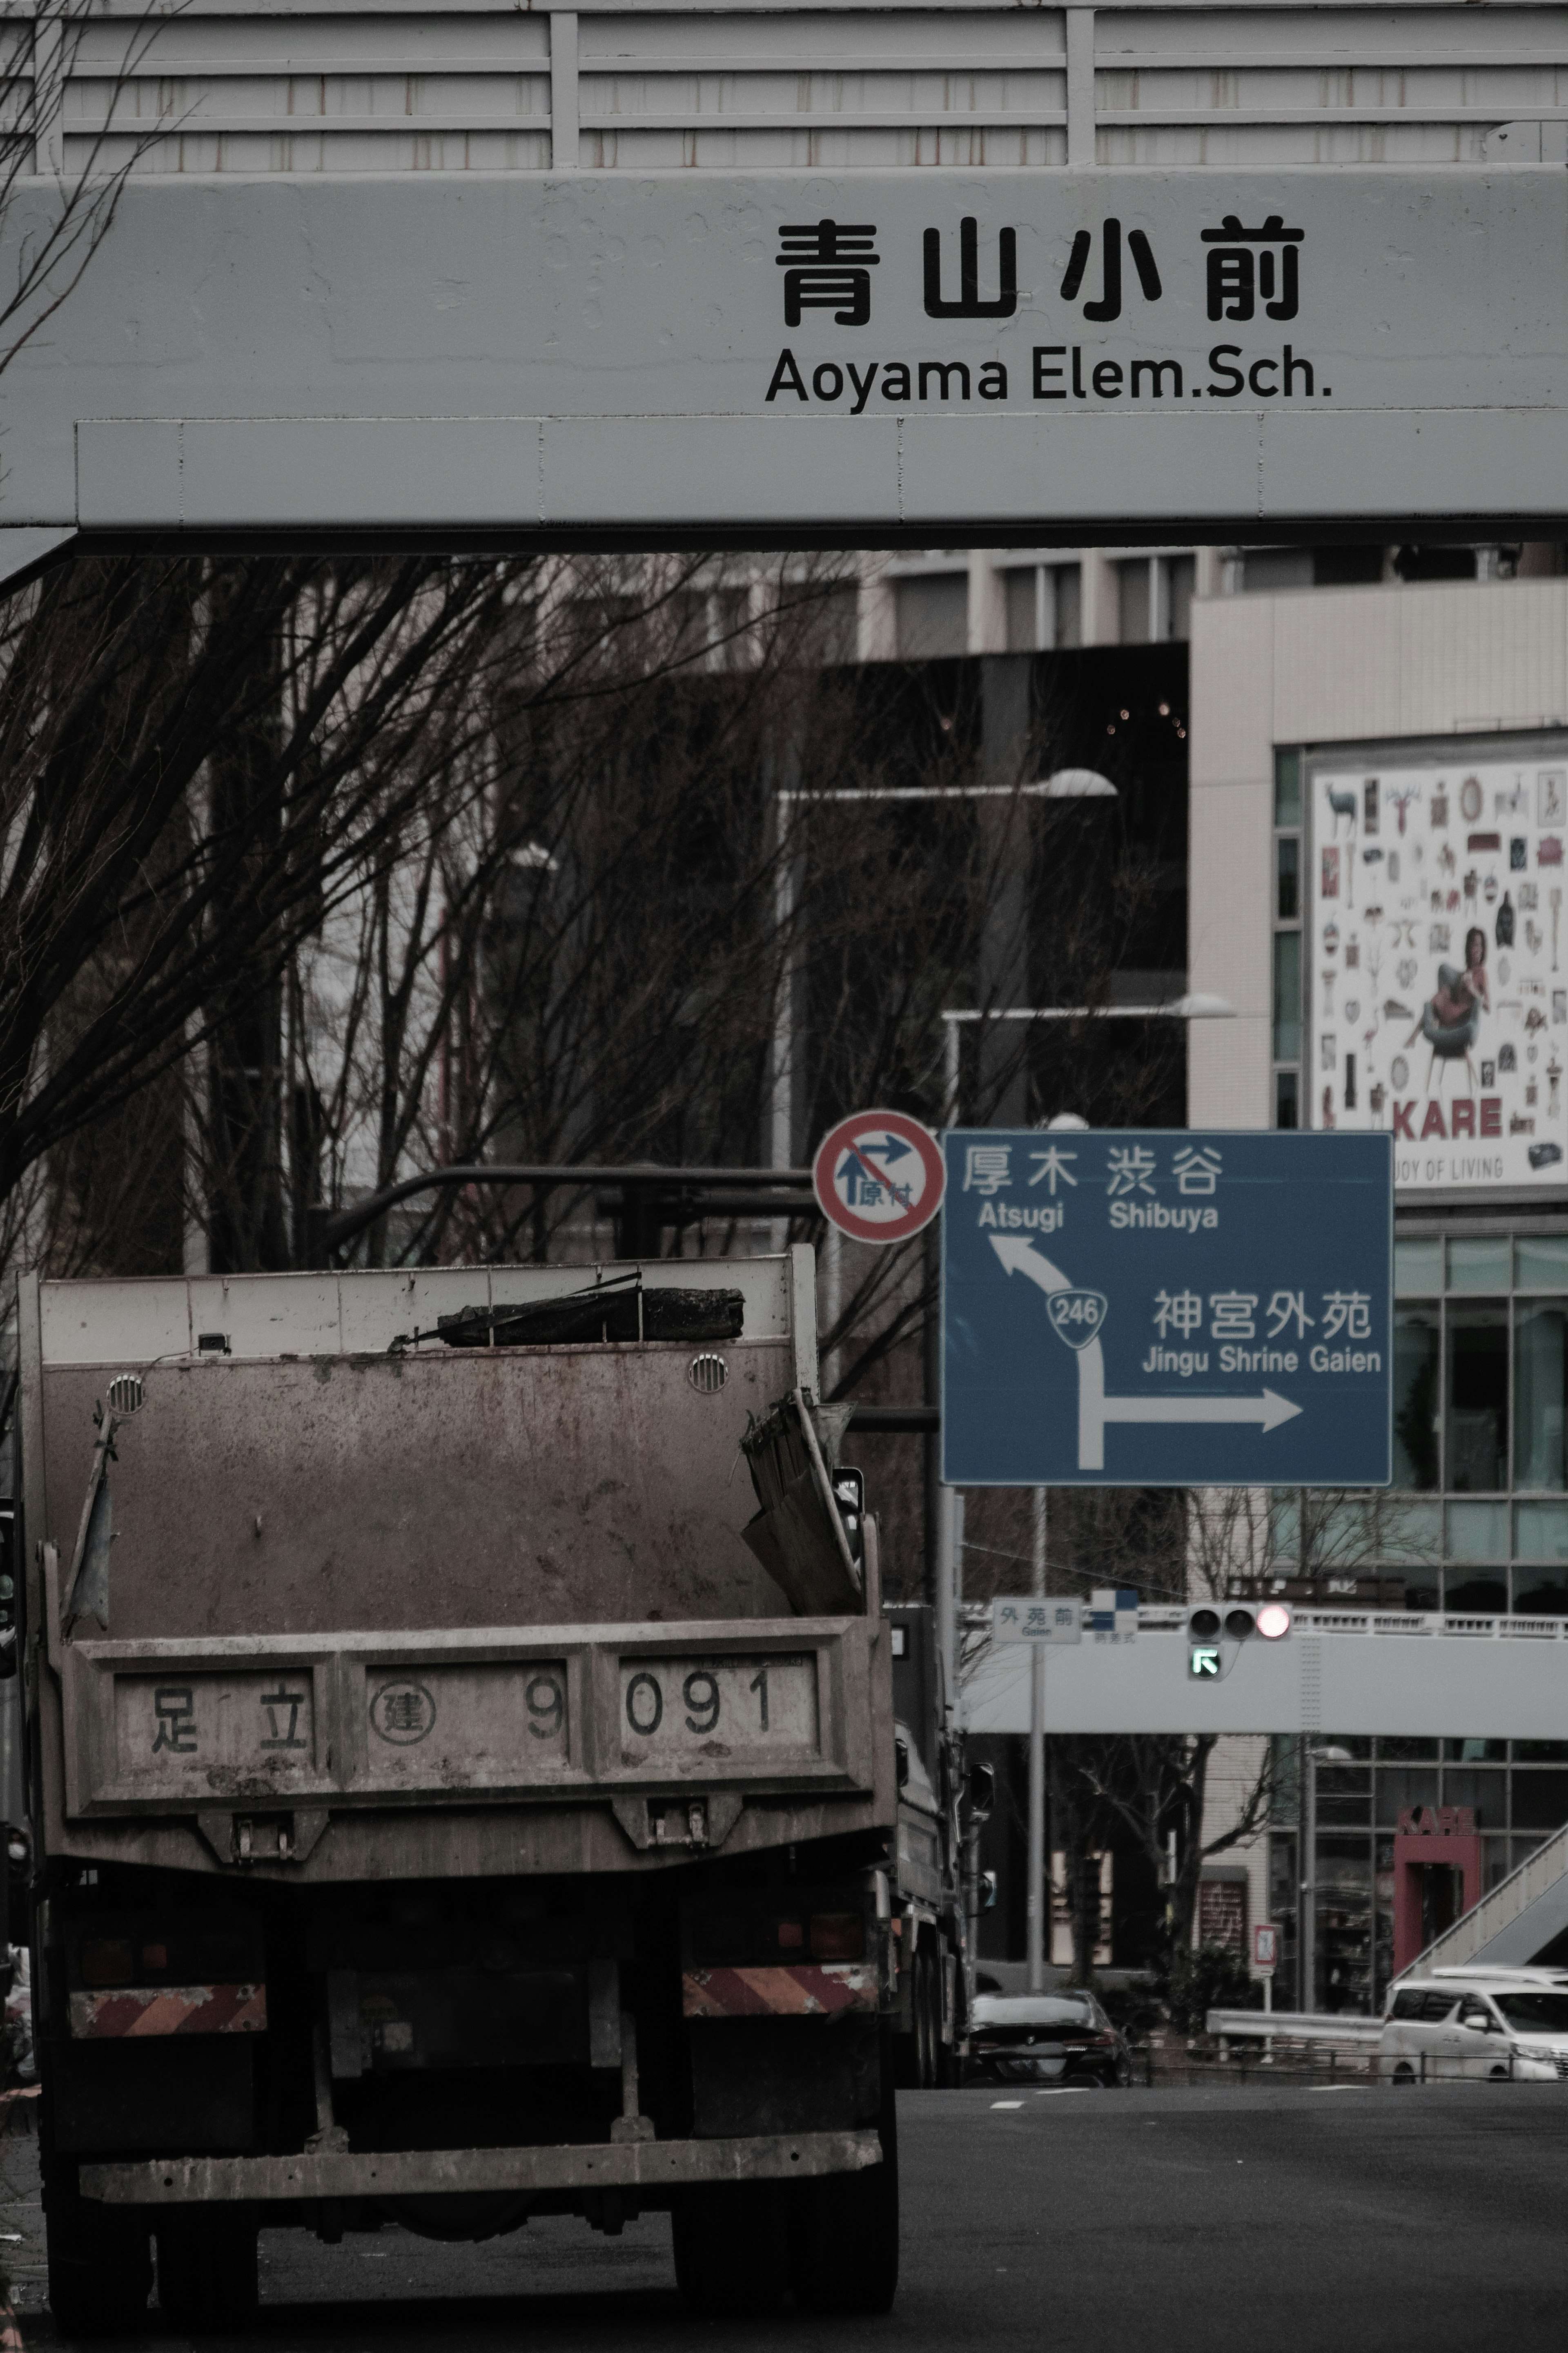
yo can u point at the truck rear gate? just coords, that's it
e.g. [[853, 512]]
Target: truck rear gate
[[460, 1755]]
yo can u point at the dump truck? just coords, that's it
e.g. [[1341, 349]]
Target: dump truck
[[941, 1807], [461, 1776]]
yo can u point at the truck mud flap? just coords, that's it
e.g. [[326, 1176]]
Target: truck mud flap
[[403, 2173]]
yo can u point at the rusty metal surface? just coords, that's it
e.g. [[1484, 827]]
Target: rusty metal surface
[[625, 2165], [430, 1842], [789, 1989], [365, 1718], [378, 1616], [144, 2011], [477, 1487]]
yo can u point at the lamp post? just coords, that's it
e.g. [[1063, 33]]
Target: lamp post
[[1037, 1909], [1198, 1007], [1063, 783], [1181, 1009]]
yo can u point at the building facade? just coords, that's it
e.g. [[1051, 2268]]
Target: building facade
[[1379, 804]]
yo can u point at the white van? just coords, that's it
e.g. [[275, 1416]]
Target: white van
[[1469, 2024]]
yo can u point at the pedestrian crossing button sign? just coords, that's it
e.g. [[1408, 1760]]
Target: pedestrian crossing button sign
[[878, 1176]]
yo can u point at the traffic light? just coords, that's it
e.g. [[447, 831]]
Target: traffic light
[[1238, 1621], [1211, 1623]]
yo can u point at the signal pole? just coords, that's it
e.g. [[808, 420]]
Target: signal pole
[[1037, 1882]]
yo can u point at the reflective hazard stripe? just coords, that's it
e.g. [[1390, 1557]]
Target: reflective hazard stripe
[[797, 1989], [168, 2009]]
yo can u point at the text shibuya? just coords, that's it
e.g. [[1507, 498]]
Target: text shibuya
[[1056, 371]]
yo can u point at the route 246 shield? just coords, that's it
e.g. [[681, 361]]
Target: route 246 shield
[[1075, 1316]]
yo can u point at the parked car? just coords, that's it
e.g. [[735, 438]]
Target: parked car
[[1046, 2038], [1469, 2025]]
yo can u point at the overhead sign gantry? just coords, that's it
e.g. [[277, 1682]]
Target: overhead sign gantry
[[787, 275]]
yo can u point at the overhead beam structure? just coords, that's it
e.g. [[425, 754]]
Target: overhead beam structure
[[638, 276], [1402, 1674]]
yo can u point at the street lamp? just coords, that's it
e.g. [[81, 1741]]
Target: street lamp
[[1193, 1007]]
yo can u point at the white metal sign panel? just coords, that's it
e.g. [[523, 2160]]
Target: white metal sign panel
[[1438, 972], [1400, 1674], [1035, 1618], [873, 355]]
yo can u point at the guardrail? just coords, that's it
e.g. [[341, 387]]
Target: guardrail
[[1358, 2039], [1295, 2025]]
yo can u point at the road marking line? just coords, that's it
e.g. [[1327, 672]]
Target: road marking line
[[1006, 2103]]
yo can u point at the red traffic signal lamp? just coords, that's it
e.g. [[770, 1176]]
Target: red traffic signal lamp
[[1238, 1622]]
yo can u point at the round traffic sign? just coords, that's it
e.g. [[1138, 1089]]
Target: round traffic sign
[[878, 1175]]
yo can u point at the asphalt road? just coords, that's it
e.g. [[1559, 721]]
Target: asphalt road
[[1258, 2221]]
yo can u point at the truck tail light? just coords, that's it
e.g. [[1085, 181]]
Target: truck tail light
[[837, 1936], [108, 1961], [792, 1936]]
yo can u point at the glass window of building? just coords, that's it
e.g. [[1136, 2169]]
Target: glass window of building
[[1044, 602], [1539, 1386], [930, 616], [1343, 1814], [1287, 1011], [1417, 1422], [1477, 1400], [1477, 1517]]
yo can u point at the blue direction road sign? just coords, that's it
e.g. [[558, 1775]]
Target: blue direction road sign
[[1164, 1308]]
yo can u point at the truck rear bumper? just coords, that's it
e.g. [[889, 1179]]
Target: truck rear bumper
[[405, 2173]]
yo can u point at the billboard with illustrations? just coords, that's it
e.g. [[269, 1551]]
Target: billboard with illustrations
[[1437, 965]]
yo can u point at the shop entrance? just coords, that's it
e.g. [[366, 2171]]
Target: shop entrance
[[1437, 1878]]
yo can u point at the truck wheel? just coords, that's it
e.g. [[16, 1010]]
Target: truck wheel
[[206, 2266], [846, 2237], [730, 2249], [928, 2019], [100, 2269]]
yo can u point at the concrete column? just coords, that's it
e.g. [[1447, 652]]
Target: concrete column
[[1080, 85], [1100, 609], [876, 620], [563, 90], [988, 604]]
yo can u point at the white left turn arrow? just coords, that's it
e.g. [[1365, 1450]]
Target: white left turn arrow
[[1095, 1409]]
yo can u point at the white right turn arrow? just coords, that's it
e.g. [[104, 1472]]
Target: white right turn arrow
[[1267, 1410], [1095, 1409]]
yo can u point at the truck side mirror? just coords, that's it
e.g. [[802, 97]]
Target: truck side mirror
[[988, 1891], [980, 1791], [849, 1494], [902, 1760]]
